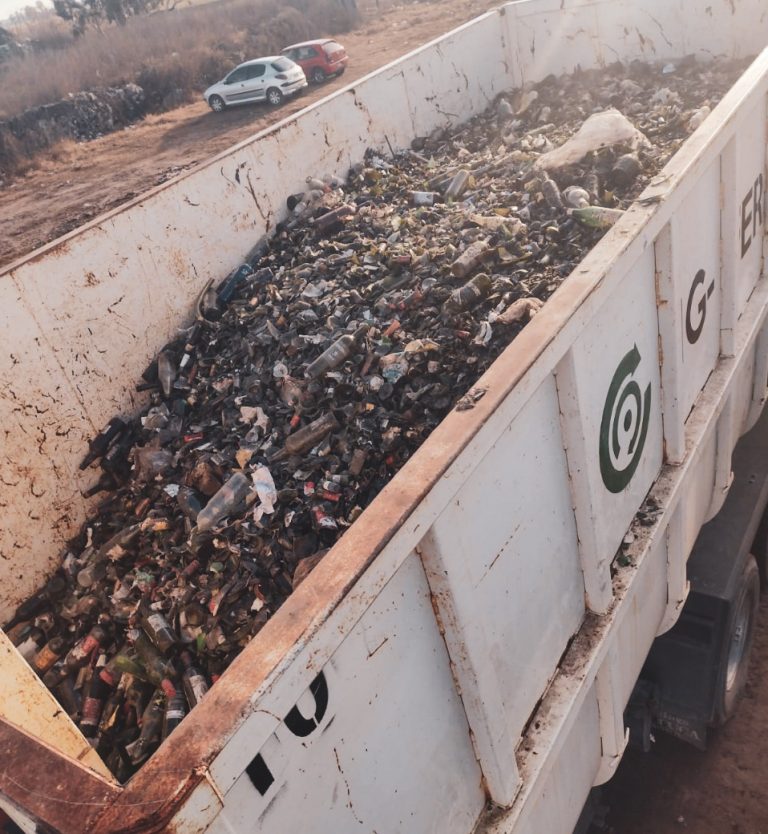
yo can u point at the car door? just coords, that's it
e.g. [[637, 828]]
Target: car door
[[245, 84], [308, 59], [234, 85], [256, 82]]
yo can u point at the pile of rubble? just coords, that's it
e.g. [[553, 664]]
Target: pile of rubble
[[81, 116]]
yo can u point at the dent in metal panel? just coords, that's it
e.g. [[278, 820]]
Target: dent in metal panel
[[385, 746]]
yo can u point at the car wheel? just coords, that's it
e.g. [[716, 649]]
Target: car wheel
[[739, 637], [216, 103], [274, 96], [318, 76]]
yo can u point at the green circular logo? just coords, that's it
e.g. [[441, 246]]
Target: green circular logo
[[624, 425]]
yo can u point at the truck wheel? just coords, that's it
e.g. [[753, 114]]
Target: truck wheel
[[760, 549], [274, 96], [738, 643]]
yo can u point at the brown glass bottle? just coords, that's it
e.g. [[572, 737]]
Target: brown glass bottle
[[48, 655]]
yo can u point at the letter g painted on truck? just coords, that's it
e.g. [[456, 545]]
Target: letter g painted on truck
[[624, 424]]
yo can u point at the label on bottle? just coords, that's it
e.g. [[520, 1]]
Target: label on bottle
[[91, 711], [44, 659], [158, 622], [337, 351], [88, 645], [199, 686]]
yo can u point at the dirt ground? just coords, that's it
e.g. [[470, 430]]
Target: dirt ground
[[675, 788], [77, 182]]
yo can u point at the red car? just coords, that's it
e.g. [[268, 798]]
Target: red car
[[319, 59]]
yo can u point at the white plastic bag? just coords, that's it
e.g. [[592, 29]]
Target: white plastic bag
[[601, 130]]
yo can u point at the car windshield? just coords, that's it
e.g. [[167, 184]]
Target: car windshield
[[282, 64]]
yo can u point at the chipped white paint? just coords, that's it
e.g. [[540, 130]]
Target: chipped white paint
[[441, 674]]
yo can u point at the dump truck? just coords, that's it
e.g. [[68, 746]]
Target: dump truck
[[575, 556]]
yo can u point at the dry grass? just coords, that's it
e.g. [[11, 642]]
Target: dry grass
[[172, 54]]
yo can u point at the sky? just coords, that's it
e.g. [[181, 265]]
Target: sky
[[8, 7]]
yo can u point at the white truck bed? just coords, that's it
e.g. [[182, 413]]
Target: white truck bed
[[466, 646]]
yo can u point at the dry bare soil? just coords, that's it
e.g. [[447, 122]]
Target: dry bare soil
[[676, 789], [76, 182]]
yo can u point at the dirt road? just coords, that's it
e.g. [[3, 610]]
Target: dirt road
[[79, 181], [676, 789]]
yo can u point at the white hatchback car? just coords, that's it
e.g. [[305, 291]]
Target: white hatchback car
[[270, 79]]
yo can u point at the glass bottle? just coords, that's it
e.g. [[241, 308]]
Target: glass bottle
[[80, 653], [175, 710], [307, 437], [157, 627], [102, 441], [337, 353], [151, 724], [193, 681], [154, 667], [99, 689], [471, 257], [472, 292], [229, 496], [48, 655]]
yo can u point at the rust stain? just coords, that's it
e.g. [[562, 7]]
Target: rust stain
[[61, 794], [179, 265]]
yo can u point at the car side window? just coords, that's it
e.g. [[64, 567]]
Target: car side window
[[310, 52], [256, 71], [239, 74]]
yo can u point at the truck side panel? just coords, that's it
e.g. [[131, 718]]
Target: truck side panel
[[342, 753], [496, 535]]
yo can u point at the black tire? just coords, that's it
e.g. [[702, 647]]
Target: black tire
[[760, 550], [317, 76], [274, 97], [739, 637], [217, 104]]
